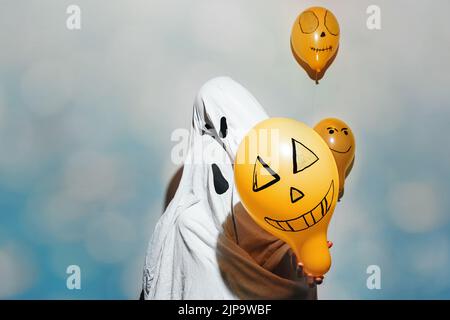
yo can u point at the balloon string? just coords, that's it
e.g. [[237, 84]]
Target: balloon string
[[232, 216], [314, 101], [232, 204]]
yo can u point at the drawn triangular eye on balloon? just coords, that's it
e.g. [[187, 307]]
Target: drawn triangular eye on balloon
[[302, 156], [263, 175]]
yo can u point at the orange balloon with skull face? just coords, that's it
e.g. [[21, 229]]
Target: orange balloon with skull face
[[340, 139], [315, 40], [288, 182]]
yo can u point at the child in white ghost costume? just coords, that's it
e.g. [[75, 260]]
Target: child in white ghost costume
[[195, 252]]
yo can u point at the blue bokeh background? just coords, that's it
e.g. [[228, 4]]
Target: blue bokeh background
[[86, 119]]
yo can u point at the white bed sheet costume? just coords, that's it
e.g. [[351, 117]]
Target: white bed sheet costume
[[182, 256]]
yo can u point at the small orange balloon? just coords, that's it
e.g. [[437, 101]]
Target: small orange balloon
[[315, 40], [288, 181], [339, 138]]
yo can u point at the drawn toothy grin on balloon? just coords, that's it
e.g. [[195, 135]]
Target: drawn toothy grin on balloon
[[321, 49], [308, 219]]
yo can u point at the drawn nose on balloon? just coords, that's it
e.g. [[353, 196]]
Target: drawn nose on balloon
[[322, 34], [296, 194]]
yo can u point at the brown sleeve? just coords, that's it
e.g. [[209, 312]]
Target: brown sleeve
[[261, 266]]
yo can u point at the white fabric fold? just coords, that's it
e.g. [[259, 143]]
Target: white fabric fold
[[181, 261]]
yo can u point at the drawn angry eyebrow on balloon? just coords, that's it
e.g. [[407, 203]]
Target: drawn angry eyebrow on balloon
[[302, 156]]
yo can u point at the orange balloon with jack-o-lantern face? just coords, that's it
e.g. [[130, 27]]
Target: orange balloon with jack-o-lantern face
[[315, 40], [288, 182]]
